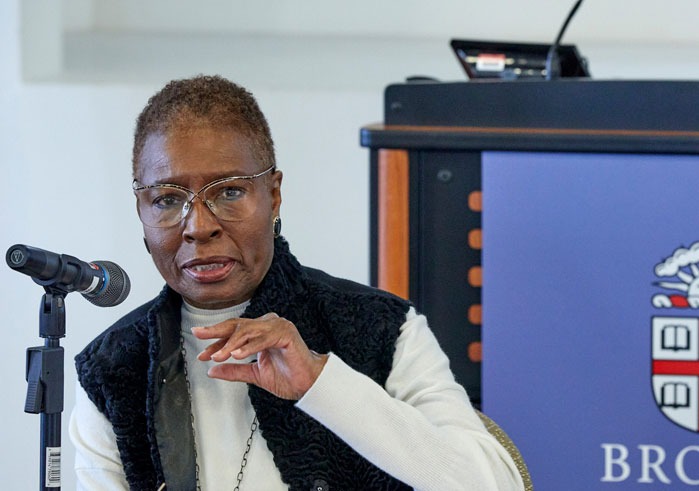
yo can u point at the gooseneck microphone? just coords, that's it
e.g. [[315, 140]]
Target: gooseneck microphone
[[553, 62], [102, 283]]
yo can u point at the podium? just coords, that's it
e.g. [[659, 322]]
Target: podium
[[429, 234]]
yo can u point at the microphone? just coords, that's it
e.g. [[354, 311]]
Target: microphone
[[553, 62], [102, 283]]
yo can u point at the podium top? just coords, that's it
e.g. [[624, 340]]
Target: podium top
[[568, 114]]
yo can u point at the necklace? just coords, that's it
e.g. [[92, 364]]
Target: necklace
[[248, 444]]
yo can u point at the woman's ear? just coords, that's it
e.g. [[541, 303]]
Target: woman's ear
[[277, 191]]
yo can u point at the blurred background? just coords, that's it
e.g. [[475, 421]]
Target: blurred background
[[75, 73]]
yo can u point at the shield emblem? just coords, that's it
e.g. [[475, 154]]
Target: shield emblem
[[675, 374]]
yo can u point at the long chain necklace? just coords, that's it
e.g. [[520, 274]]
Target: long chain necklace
[[248, 444]]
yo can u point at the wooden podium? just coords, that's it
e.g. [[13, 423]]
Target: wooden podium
[[425, 165]]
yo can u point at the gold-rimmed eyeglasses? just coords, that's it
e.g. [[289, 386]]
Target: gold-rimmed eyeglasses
[[230, 198]]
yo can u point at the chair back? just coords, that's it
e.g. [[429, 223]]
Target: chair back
[[511, 448]]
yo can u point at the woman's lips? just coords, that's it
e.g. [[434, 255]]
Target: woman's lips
[[209, 271]]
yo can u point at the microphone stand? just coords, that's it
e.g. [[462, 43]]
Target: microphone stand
[[45, 385]]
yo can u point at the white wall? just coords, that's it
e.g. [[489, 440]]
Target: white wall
[[607, 20], [66, 124]]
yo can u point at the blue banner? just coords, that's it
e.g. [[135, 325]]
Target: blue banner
[[591, 316]]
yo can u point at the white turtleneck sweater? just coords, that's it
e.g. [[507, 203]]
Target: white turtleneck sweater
[[420, 428]]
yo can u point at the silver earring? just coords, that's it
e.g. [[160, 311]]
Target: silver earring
[[277, 226]]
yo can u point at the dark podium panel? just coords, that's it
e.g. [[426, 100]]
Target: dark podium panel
[[425, 168]]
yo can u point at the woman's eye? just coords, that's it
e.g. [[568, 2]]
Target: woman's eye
[[167, 201], [231, 193]]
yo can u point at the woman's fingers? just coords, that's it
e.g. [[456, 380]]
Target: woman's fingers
[[241, 338], [284, 366], [211, 349]]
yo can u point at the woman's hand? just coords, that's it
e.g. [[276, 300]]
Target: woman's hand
[[285, 366]]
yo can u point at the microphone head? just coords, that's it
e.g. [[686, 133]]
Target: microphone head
[[115, 289]]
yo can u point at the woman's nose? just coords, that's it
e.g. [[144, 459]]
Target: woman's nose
[[200, 223]]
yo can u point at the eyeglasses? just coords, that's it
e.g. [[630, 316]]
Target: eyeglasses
[[230, 198]]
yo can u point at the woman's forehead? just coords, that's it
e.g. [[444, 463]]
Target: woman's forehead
[[200, 152]]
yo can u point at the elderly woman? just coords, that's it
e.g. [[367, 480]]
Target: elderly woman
[[249, 370]]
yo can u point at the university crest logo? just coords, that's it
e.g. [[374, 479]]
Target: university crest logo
[[675, 340]]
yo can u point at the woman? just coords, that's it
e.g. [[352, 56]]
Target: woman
[[250, 371]]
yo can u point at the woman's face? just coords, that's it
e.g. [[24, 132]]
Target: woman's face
[[212, 263]]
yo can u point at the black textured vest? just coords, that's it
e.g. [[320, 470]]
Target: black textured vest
[[133, 374]]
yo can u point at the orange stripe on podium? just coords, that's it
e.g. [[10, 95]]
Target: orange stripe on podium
[[393, 209]]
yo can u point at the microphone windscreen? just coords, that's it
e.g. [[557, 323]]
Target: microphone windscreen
[[116, 289]]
